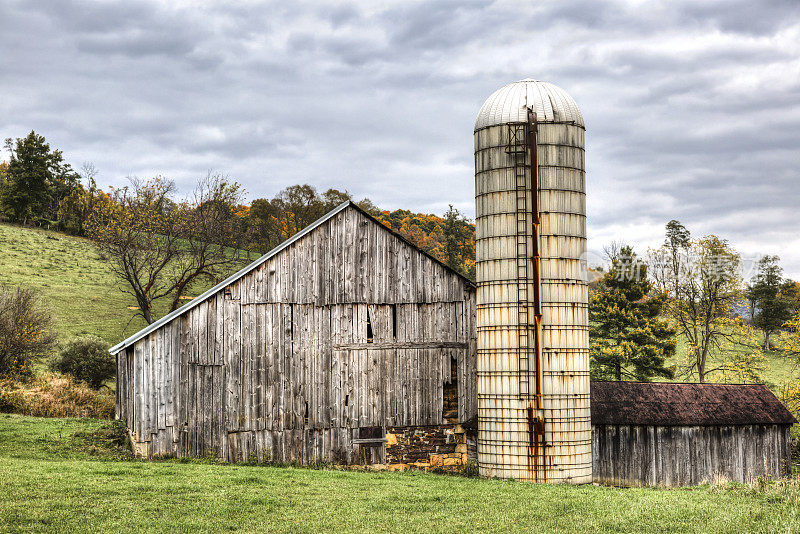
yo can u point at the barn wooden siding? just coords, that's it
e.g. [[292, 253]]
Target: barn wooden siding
[[278, 365], [632, 455]]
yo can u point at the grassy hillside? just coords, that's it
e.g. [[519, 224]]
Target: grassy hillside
[[66, 475], [83, 295], [777, 368], [75, 282]]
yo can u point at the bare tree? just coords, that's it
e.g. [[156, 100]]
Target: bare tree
[[211, 238], [158, 247]]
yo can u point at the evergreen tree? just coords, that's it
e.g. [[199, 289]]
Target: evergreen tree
[[628, 341], [37, 179], [772, 298]]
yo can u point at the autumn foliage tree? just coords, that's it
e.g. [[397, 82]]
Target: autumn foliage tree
[[272, 221], [450, 239], [702, 281], [75, 208]]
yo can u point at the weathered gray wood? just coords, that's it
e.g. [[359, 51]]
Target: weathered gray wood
[[423, 345], [279, 364], [680, 456]]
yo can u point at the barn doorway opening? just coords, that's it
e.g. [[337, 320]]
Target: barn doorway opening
[[450, 395]]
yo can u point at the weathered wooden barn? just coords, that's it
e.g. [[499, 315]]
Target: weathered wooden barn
[[315, 352], [663, 434]]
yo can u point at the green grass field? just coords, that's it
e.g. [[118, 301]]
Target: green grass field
[[778, 368], [56, 476]]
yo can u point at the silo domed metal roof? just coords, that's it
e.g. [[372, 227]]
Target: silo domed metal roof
[[508, 104]]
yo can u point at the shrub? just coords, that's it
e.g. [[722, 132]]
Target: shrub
[[86, 358], [25, 331], [53, 395]]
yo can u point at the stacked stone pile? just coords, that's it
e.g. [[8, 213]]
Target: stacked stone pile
[[431, 447]]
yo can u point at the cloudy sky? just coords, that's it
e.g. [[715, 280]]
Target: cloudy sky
[[692, 108]]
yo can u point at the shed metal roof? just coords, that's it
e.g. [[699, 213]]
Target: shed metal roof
[[510, 103], [670, 404], [236, 276]]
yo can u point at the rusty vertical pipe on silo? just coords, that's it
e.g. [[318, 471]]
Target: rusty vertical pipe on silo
[[531, 236], [537, 256]]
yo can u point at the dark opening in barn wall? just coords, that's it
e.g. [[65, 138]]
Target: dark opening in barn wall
[[450, 394], [370, 335], [394, 321], [291, 323], [371, 443]]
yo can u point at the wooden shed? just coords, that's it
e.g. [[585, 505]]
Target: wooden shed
[[664, 434], [342, 335]]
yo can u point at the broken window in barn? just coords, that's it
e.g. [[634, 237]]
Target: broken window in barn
[[394, 321], [291, 322], [369, 328], [371, 432]]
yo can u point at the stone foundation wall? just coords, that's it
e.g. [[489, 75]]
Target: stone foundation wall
[[427, 447]]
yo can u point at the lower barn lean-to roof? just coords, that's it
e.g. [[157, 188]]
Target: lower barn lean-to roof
[[671, 404]]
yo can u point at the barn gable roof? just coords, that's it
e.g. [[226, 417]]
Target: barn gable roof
[[669, 404], [246, 270]]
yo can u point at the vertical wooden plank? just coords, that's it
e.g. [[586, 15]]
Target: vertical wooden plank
[[152, 358], [168, 366], [260, 348], [162, 377], [247, 318], [286, 406], [192, 409], [232, 364], [119, 411], [271, 380]]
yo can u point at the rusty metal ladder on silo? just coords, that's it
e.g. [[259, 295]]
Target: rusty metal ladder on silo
[[521, 144]]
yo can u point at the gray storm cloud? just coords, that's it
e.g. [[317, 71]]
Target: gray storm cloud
[[692, 108]]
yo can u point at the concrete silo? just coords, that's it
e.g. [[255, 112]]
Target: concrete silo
[[533, 346]]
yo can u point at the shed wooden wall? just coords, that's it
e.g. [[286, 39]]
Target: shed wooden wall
[[688, 455], [278, 365]]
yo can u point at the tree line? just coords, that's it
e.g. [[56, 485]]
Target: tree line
[[164, 247]]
